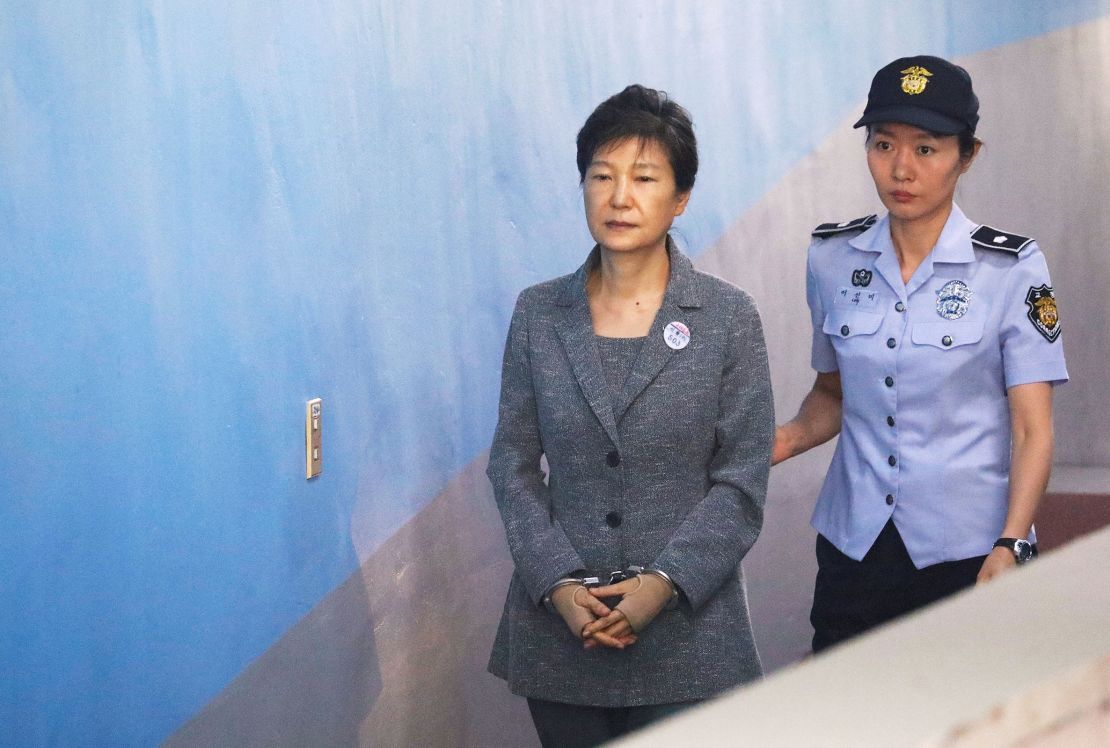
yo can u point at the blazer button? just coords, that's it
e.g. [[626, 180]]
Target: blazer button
[[899, 307], [844, 330], [613, 519], [892, 461], [891, 342], [889, 500], [946, 341], [889, 381], [890, 421], [613, 458]]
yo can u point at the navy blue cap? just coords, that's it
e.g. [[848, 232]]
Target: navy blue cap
[[923, 91]]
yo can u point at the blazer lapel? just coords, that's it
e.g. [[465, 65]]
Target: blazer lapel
[[681, 296], [576, 331]]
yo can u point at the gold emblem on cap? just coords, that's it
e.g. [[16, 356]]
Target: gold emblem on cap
[[914, 79]]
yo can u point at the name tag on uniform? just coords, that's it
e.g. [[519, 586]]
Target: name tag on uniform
[[859, 298]]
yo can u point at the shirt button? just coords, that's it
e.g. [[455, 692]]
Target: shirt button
[[891, 342], [613, 458], [946, 340], [891, 461], [844, 330], [899, 307], [889, 381], [889, 500], [890, 421], [613, 519]]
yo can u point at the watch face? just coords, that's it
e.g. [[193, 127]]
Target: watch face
[[1023, 551]]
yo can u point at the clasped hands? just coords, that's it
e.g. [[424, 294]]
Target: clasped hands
[[642, 598]]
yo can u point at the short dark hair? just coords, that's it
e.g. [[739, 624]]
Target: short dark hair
[[965, 139], [644, 114], [967, 142]]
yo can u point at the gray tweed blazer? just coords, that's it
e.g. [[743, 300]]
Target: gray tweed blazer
[[673, 475]]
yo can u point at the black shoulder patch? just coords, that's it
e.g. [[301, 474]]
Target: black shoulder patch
[[991, 238], [832, 229]]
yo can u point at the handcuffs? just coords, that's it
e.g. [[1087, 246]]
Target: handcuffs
[[613, 577]]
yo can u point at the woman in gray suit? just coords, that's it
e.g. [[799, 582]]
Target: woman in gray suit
[[644, 383]]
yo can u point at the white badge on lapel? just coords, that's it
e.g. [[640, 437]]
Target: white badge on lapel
[[676, 335]]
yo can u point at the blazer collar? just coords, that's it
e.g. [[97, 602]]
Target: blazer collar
[[575, 329], [683, 284]]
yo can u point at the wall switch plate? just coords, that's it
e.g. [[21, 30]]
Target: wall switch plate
[[313, 421]]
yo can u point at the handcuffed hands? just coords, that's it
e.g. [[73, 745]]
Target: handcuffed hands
[[579, 609], [642, 598]]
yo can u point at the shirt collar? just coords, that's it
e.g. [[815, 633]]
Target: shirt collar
[[953, 245]]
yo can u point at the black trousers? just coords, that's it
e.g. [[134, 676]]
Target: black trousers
[[577, 726], [851, 597]]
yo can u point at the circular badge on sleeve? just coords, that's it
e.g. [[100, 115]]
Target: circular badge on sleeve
[[676, 335]]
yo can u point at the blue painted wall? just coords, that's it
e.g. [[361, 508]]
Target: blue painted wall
[[211, 212]]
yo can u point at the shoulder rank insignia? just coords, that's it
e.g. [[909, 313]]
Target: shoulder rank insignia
[[832, 229], [991, 238]]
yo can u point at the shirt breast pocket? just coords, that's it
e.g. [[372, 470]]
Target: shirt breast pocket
[[948, 335], [852, 332], [845, 324]]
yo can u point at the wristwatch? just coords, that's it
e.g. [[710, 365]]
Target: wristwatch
[[1023, 550]]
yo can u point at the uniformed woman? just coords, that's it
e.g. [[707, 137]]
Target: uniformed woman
[[936, 343], [644, 383]]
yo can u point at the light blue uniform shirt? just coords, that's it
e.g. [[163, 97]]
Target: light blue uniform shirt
[[924, 368]]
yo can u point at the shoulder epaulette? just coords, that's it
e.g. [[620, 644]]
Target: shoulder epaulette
[[832, 229], [991, 238]]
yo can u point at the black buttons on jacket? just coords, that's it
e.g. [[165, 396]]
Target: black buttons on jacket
[[889, 500], [891, 461], [889, 381], [613, 519], [890, 421], [899, 307], [946, 341], [844, 330], [891, 342]]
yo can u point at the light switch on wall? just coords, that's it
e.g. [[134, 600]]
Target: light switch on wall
[[313, 421]]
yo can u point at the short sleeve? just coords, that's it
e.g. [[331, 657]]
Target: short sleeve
[[1031, 334], [822, 354]]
